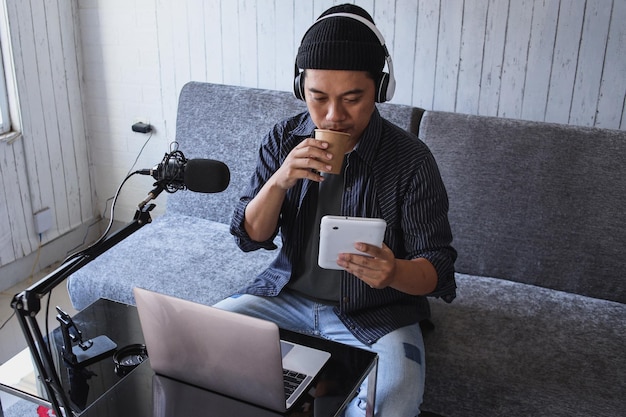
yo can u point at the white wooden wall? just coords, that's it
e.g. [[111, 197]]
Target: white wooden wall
[[547, 60], [48, 166], [88, 69]]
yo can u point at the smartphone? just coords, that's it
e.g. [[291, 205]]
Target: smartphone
[[338, 234]]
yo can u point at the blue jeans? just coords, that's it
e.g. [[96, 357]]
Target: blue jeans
[[401, 370]]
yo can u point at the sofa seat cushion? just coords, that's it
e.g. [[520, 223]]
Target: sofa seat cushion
[[188, 257], [504, 348]]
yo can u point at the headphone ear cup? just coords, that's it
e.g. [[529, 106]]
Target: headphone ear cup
[[298, 87], [381, 88]]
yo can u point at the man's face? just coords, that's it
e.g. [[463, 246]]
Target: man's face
[[340, 100]]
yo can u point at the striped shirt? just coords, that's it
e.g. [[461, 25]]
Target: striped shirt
[[391, 175]]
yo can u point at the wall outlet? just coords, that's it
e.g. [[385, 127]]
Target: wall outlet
[[43, 220], [142, 125]]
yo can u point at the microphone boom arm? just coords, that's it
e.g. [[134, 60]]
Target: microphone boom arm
[[172, 174], [28, 303]]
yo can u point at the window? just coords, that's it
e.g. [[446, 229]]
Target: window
[[5, 121], [10, 123]]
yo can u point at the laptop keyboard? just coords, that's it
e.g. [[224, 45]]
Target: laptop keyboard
[[292, 381]]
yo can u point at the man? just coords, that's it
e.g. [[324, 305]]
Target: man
[[376, 302]]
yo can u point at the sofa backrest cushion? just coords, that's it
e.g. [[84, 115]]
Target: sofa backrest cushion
[[535, 202], [227, 123]]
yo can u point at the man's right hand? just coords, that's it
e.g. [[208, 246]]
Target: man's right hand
[[306, 160]]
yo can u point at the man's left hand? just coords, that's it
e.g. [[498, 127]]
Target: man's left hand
[[377, 270]]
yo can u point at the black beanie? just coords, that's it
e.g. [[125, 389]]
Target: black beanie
[[341, 43]]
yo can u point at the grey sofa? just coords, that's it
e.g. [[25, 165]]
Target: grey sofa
[[537, 210]]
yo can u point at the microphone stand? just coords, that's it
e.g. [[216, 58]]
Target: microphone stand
[[27, 304]]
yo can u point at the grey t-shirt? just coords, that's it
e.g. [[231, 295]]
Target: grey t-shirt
[[309, 279]]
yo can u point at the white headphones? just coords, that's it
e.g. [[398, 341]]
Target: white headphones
[[385, 87]]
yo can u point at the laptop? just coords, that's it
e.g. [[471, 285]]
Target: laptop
[[229, 353]]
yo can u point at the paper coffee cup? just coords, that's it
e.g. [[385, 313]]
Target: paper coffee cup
[[338, 143]]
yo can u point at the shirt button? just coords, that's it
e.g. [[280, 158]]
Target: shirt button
[[346, 300], [348, 189]]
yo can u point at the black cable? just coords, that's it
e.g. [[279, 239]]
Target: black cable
[[108, 229], [7, 320], [50, 338], [139, 154], [107, 202]]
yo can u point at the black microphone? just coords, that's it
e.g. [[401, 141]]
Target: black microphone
[[206, 175], [175, 172]]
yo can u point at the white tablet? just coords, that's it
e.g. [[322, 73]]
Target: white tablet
[[338, 234]]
